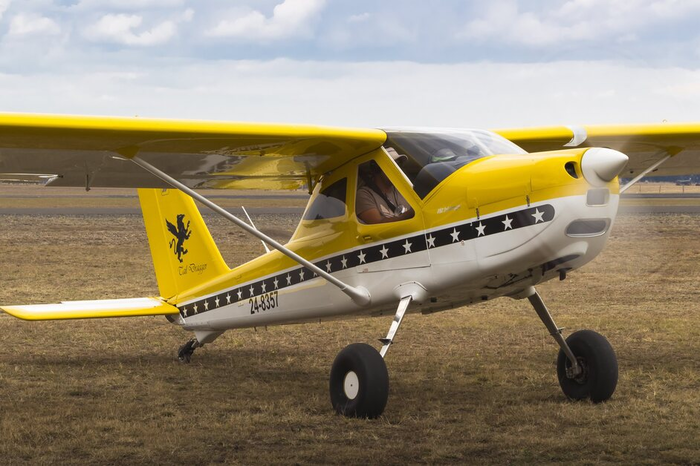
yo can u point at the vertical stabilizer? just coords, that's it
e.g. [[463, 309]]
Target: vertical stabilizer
[[184, 253]]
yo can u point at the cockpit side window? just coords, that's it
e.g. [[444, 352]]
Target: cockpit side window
[[432, 157], [377, 199], [329, 203]]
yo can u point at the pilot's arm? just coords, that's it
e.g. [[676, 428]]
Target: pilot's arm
[[373, 216], [371, 211]]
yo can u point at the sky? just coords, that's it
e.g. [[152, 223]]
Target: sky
[[367, 63]]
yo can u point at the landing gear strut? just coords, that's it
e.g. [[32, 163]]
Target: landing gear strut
[[185, 352], [359, 382], [586, 365], [201, 338]]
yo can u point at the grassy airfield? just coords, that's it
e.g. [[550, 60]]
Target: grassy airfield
[[475, 385]]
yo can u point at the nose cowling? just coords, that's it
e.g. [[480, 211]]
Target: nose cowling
[[601, 165]]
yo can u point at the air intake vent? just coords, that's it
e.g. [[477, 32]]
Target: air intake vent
[[587, 228], [597, 197], [570, 168]]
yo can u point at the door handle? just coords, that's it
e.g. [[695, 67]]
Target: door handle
[[366, 238]]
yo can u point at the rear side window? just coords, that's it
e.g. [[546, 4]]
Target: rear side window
[[329, 203]]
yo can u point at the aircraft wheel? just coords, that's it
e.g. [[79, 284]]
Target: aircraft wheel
[[599, 363], [359, 382]]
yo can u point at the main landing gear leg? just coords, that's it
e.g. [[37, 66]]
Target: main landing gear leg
[[359, 382], [586, 365]]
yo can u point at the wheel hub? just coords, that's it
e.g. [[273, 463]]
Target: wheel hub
[[582, 375], [351, 385]]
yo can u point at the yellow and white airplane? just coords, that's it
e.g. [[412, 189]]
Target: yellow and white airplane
[[399, 220]]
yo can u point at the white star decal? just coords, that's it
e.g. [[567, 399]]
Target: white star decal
[[195, 308], [384, 251], [344, 262], [184, 311], [252, 290], [507, 223], [228, 298], [301, 275], [407, 247], [329, 266], [455, 235], [431, 241], [216, 301], [240, 294], [362, 257], [538, 216], [480, 230], [289, 279], [277, 283], [206, 305], [264, 287]]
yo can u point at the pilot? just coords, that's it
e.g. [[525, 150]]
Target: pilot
[[378, 201]]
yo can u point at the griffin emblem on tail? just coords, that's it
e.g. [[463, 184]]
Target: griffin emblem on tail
[[181, 234]]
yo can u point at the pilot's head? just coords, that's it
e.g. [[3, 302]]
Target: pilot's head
[[400, 159], [443, 155]]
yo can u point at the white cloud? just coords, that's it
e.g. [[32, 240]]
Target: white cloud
[[367, 30], [27, 24], [187, 15], [486, 95], [575, 20], [126, 4], [4, 4], [359, 18], [291, 18], [121, 29]]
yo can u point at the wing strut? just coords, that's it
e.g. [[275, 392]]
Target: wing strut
[[645, 172], [359, 295]]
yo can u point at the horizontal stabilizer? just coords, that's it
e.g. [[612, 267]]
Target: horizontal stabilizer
[[134, 307]]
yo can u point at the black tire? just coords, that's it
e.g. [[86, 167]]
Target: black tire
[[368, 388], [599, 363]]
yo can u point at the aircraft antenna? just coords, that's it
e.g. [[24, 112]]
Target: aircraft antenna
[[253, 225]]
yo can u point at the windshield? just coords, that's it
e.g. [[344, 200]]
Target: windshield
[[433, 156]]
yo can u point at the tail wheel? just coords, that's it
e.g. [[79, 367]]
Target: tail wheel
[[359, 382], [598, 378]]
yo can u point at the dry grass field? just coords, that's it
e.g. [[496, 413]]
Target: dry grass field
[[476, 385]]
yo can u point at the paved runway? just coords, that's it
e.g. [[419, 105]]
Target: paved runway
[[661, 196], [637, 209], [77, 211], [137, 211], [660, 209]]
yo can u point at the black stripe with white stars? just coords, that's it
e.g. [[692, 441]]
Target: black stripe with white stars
[[375, 253]]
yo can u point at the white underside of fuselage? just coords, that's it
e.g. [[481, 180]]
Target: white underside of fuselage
[[478, 259]]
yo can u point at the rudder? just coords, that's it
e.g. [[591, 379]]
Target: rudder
[[183, 251]]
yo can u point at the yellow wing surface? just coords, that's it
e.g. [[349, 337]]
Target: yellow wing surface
[[93, 151], [92, 309], [644, 144]]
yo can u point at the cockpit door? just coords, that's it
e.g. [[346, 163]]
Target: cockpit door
[[397, 241]]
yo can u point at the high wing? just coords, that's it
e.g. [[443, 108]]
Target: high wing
[[93, 151], [643, 144]]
